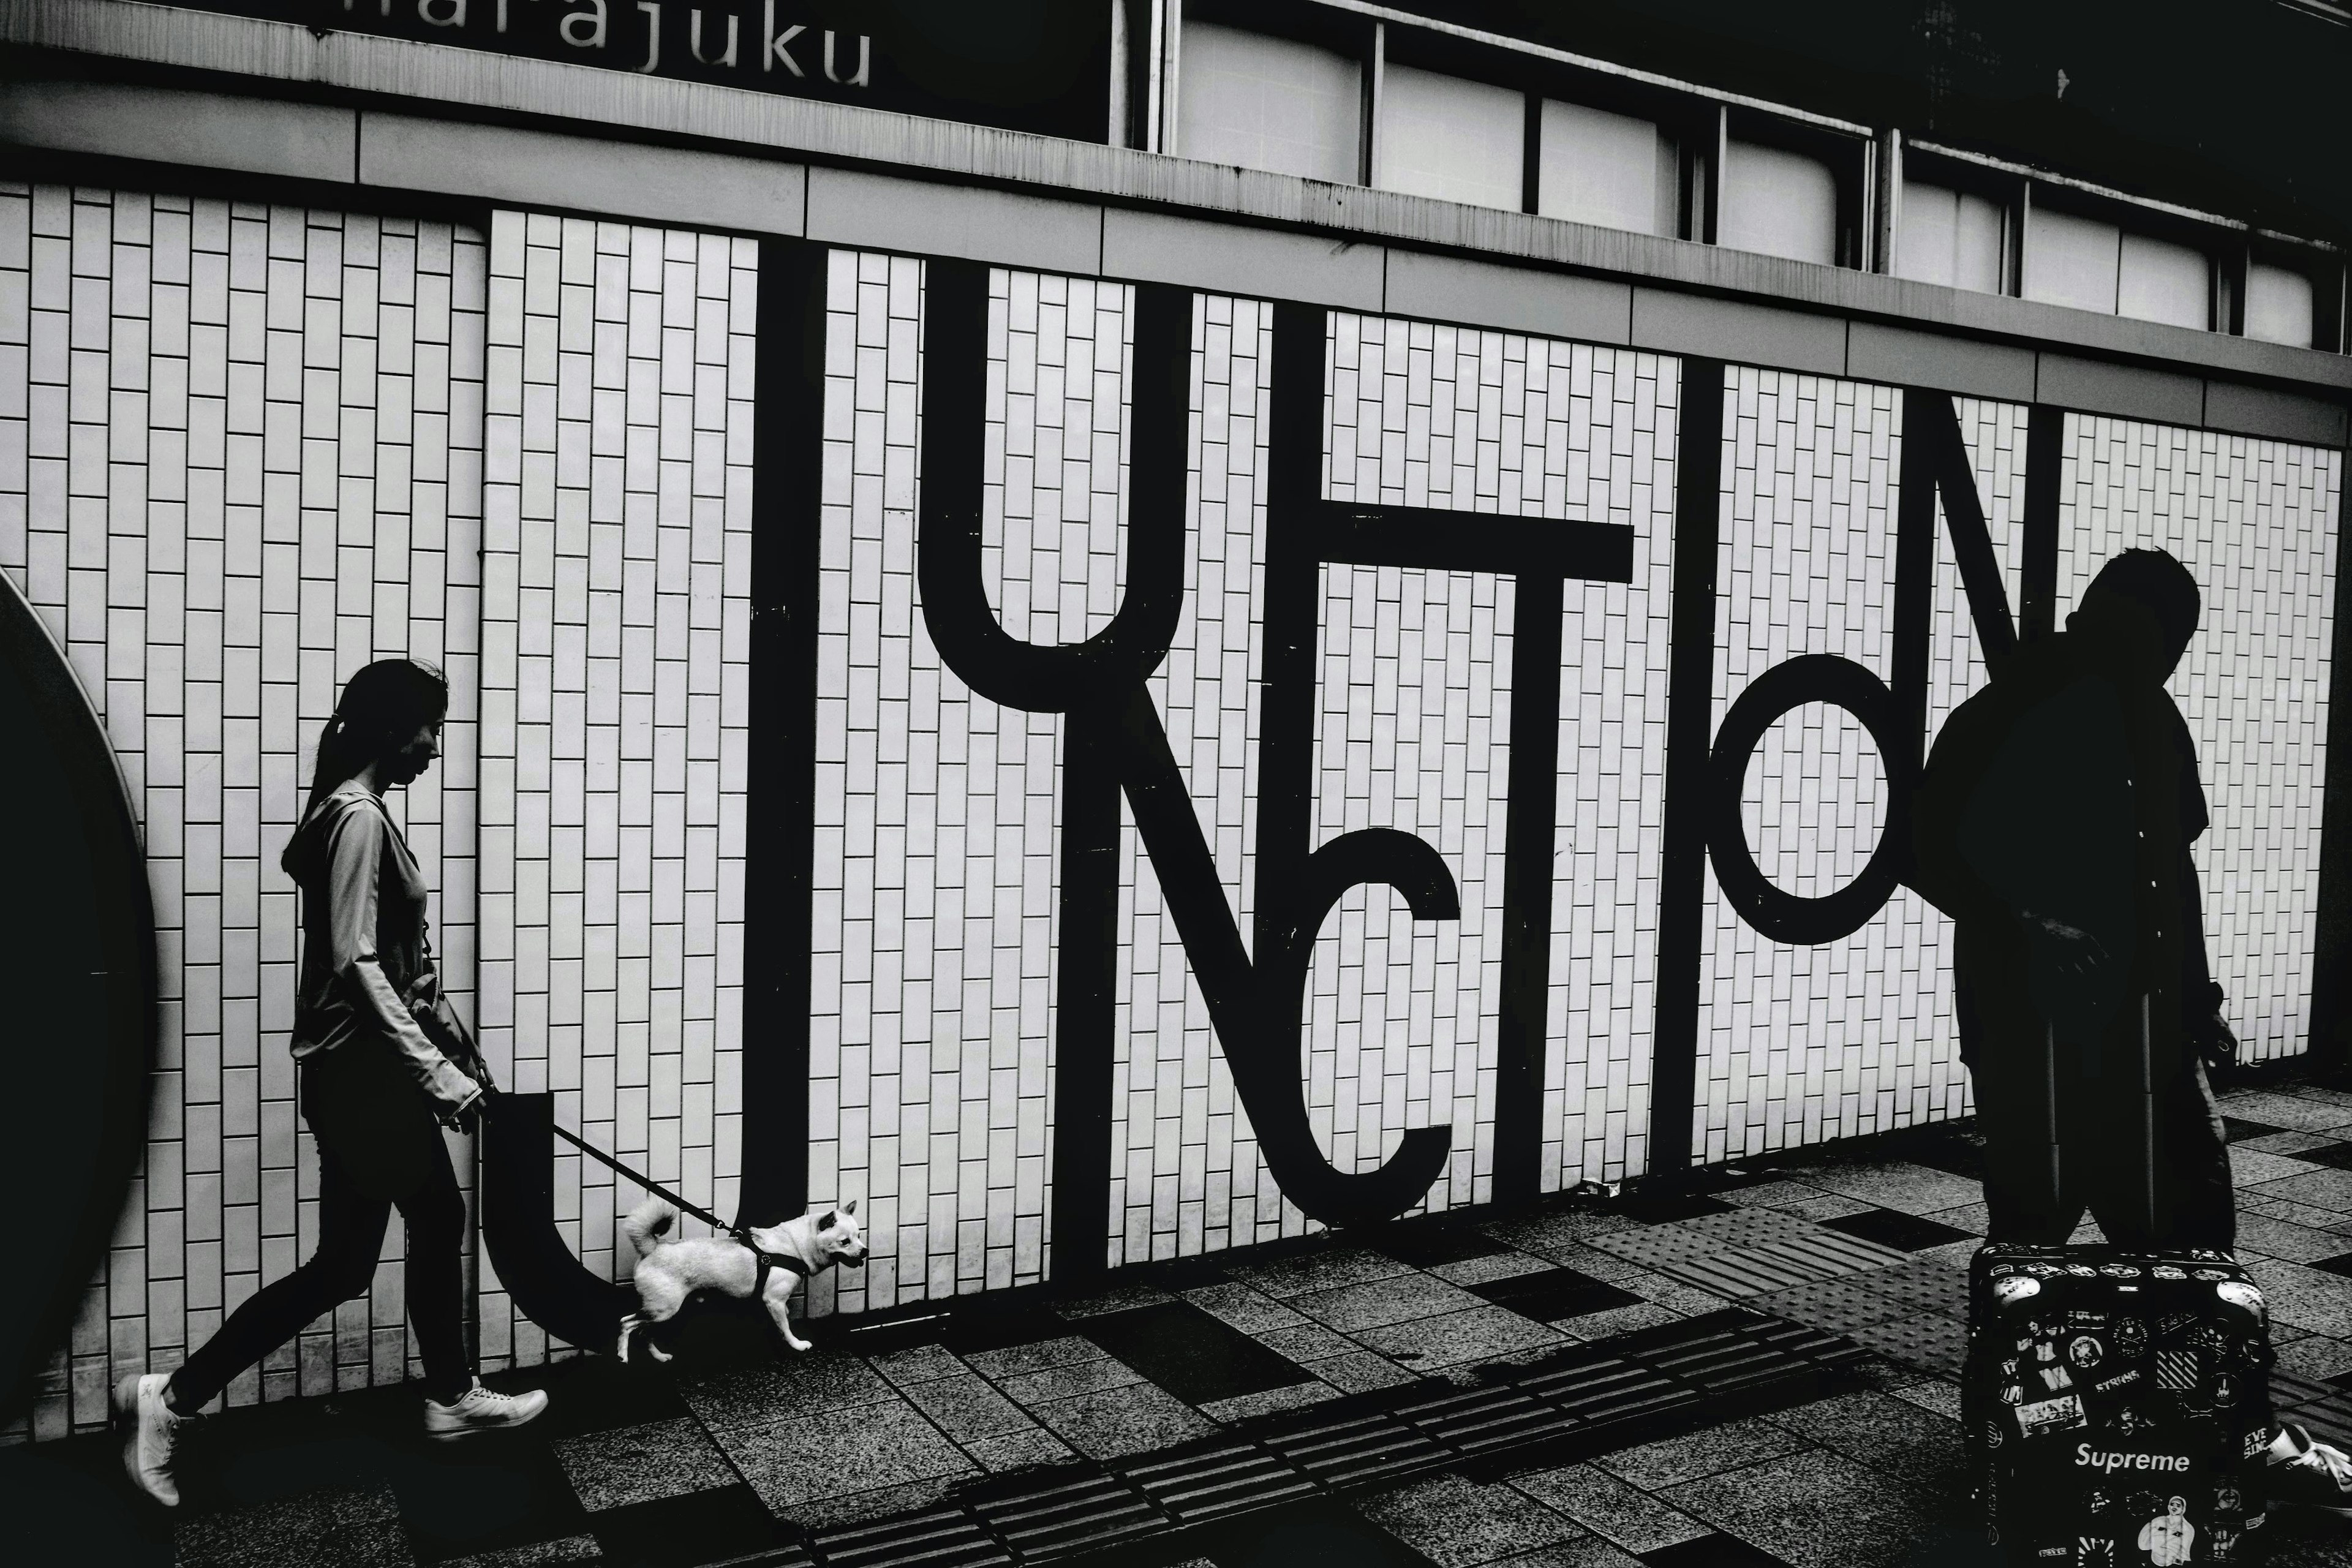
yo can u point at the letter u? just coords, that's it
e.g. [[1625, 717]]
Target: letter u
[[694, 38], [865, 59]]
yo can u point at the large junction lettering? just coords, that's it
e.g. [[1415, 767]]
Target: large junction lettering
[[1116, 748]]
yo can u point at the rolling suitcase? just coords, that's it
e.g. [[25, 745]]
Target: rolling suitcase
[[2116, 1403]]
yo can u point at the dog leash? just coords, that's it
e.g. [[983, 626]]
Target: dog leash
[[741, 1234]]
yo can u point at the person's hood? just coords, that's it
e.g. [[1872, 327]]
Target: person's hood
[[306, 852]]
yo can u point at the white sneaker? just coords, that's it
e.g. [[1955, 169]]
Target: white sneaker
[[480, 1410], [154, 1433]]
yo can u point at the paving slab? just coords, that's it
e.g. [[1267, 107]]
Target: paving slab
[[1361, 1372], [1654, 1466], [1378, 1302], [1435, 1343], [1017, 1360], [1116, 1422], [1032, 1389], [968, 1407], [2296, 1112], [1019, 1450], [1290, 1396], [816, 1380], [2272, 1237], [1250, 1311], [1458, 1524], [2315, 1356], [2308, 1298], [1502, 1265], [1610, 1321], [2251, 1167], [1814, 1509], [329, 1527], [799, 1460], [1895, 1184], [1322, 1270], [639, 1464], [1616, 1510]]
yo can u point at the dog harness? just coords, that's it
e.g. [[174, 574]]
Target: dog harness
[[769, 1263]]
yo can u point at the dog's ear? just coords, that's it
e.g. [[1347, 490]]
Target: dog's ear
[[850, 1208], [829, 1220]]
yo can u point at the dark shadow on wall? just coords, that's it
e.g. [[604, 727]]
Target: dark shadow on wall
[[78, 968]]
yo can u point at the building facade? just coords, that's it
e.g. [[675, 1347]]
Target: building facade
[[1154, 628]]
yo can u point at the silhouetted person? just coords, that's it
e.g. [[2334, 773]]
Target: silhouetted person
[[2054, 824]]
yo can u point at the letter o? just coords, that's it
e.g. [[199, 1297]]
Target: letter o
[[1781, 915]]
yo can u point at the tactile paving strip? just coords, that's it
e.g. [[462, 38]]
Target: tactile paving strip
[[940, 1537], [1747, 1227], [1843, 1304], [1775, 1264], [1921, 1284], [1644, 1385], [1930, 1340]]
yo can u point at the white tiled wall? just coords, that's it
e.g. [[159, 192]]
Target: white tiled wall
[[243, 449], [1186, 1176], [239, 457], [1434, 416], [931, 1043], [2254, 523], [1798, 1043], [616, 640]]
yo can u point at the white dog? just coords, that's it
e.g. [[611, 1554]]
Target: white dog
[[670, 1271]]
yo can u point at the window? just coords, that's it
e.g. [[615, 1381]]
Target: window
[[1607, 169], [1268, 103], [1954, 237], [2089, 265], [2072, 260], [1447, 137], [1777, 202], [2280, 305], [2160, 281]]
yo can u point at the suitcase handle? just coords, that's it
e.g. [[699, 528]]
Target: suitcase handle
[[2146, 1108]]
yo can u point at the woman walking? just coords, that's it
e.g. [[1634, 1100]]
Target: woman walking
[[384, 1066]]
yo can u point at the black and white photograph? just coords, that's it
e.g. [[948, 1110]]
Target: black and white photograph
[[1191, 783]]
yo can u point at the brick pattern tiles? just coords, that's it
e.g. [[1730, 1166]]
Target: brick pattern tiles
[[2254, 521], [1185, 1174], [930, 1045], [615, 626], [1415, 698], [1803, 1043], [240, 456]]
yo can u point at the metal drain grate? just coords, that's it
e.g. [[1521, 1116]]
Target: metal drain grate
[[941, 1537], [1229, 1478], [1374, 1446], [1476, 1421], [1081, 1512]]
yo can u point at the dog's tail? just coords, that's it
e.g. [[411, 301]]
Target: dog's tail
[[647, 1224]]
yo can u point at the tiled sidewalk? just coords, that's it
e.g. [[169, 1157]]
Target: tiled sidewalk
[[731, 1452]]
